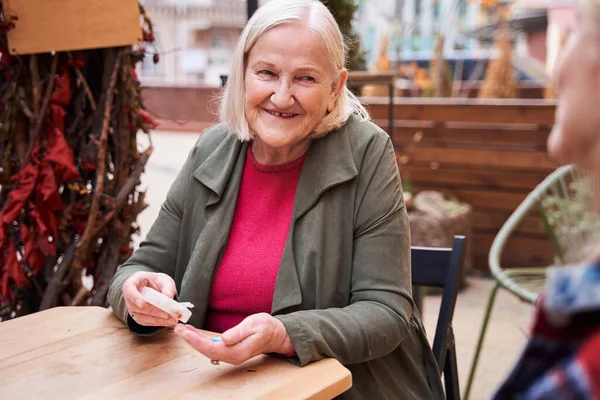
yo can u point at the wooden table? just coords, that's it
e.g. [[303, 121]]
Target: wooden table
[[86, 352]]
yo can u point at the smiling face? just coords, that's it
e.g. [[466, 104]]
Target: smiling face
[[575, 138], [290, 85]]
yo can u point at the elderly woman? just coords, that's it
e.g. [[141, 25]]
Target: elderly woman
[[286, 227], [562, 359]]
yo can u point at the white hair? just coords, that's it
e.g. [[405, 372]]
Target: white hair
[[319, 19]]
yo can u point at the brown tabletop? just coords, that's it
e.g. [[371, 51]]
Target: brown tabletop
[[86, 352]]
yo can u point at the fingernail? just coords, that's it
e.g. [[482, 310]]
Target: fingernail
[[165, 316], [216, 339]]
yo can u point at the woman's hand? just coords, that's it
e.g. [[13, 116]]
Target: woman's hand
[[142, 312], [257, 334]]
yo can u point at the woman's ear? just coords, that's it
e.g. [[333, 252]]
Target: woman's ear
[[336, 88]]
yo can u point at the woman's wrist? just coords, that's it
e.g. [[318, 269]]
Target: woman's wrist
[[287, 349], [285, 342]]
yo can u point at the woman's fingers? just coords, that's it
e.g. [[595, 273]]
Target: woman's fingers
[[162, 283], [144, 313], [258, 333], [149, 320], [133, 285], [136, 304], [147, 309], [148, 315], [201, 343], [239, 332], [264, 331], [236, 354], [166, 285]]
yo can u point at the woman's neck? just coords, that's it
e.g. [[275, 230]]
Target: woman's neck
[[268, 155]]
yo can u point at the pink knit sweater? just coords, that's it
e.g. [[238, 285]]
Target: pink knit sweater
[[245, 279]]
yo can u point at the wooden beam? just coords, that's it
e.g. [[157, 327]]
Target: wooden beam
[[535, 160], [531, 248], [469, 136], [364, 77], [490, 222], [62, 25], [455, 110], [472, 177]]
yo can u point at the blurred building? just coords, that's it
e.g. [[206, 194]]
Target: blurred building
[[528, 30], [412, 27], [561, 17], [196, 39], [545, 24]]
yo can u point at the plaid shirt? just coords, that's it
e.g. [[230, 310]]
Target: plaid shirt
[[562, 358]]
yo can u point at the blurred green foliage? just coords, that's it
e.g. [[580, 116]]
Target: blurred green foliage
[[343, 12]]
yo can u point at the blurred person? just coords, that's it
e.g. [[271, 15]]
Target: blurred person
[[562, 357], [286, 227]]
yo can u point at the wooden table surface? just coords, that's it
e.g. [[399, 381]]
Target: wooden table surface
[[87, 353]]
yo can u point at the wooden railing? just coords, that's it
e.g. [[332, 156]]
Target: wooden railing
[[490, 154]]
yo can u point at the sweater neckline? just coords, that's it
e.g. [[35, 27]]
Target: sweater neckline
[[274, 167]]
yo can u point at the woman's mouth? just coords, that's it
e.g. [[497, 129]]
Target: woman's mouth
[[280, 115]]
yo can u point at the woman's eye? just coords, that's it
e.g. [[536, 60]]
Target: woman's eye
[[307, 78], [265, 72]]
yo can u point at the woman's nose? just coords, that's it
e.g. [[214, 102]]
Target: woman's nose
[[283, 96]]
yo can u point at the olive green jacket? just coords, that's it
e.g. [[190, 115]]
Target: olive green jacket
[[344, 285]]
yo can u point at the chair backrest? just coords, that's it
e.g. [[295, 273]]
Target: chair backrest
[[442, 268], [564, 201], [567, 208]]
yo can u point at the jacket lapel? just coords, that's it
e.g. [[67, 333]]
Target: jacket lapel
[[221, 173], [216, 171], [329, 162]]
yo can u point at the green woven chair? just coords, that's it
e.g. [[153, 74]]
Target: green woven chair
[[564, 203]]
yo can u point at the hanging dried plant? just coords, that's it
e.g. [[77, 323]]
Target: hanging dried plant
[[500, 81], [69, 171], [441, 76]]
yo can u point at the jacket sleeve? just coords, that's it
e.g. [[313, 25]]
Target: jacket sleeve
[[378, 316], [158, 252]]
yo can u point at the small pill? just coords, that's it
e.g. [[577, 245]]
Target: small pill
[[216, 339]]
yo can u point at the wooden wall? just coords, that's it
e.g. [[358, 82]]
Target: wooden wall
[[490, 154], [524, 91], [182, 105]]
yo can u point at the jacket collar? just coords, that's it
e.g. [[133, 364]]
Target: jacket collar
[[215, 172], [329, 162]]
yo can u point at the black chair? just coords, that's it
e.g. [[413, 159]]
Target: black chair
[[442, 268]]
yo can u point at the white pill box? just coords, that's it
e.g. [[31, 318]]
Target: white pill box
[[168, 305]]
